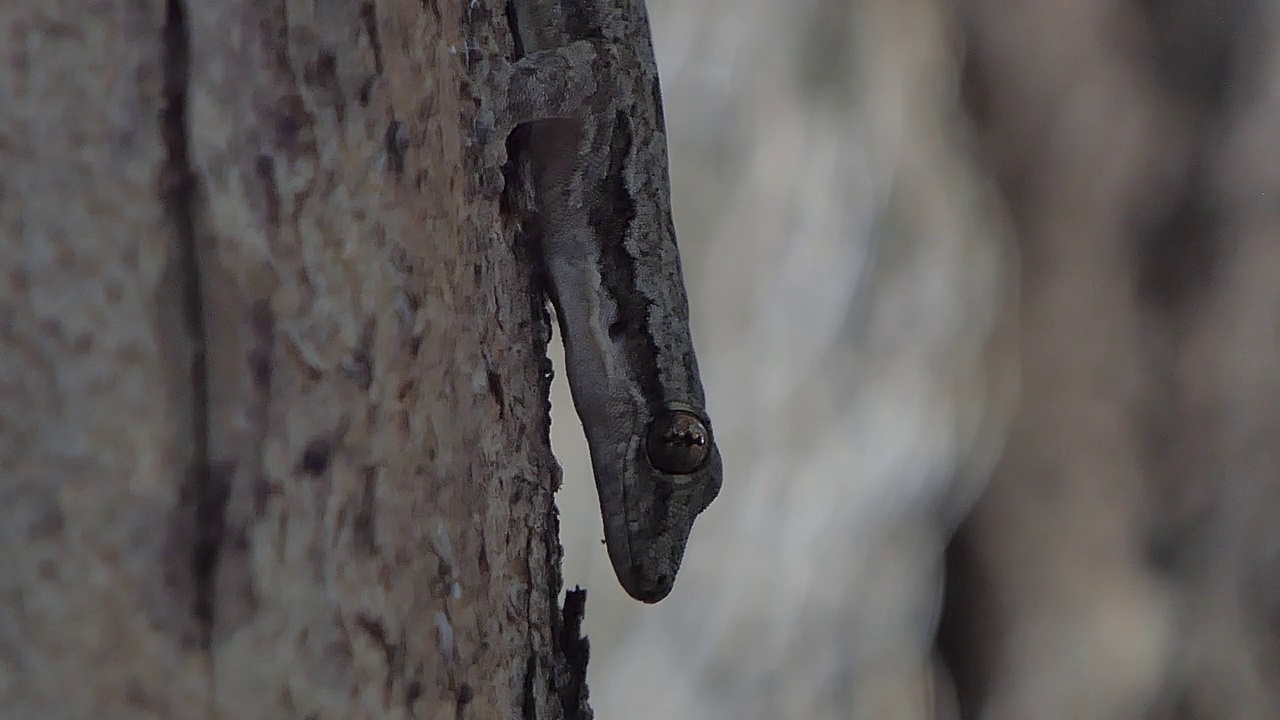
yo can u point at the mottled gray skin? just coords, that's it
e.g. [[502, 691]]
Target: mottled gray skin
[[594, 161]]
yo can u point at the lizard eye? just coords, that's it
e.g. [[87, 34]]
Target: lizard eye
[[679, 443]]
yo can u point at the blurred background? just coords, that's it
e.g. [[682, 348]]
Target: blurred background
[[987, 302]]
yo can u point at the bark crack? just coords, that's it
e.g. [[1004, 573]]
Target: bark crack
[[205, 492]]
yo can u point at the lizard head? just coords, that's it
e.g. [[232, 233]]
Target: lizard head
[[670, 472]]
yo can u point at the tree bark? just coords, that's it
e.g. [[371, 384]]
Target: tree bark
[[1122, 563], [273, 384]]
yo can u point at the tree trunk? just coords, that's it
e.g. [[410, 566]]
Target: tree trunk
[[273, 417], [1123, 561]]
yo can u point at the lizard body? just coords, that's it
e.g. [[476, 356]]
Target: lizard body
[[593, 160]]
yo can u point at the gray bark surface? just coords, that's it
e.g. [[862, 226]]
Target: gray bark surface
[[273, 427]]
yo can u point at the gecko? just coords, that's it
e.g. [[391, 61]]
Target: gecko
[[591, 160]]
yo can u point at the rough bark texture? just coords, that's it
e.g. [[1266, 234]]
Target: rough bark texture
[[97, 453], [273, 430], [1123, 561]]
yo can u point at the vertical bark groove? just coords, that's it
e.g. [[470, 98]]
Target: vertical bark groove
[[205, 496]]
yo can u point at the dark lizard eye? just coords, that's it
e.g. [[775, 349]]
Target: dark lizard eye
[[679, 442]]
